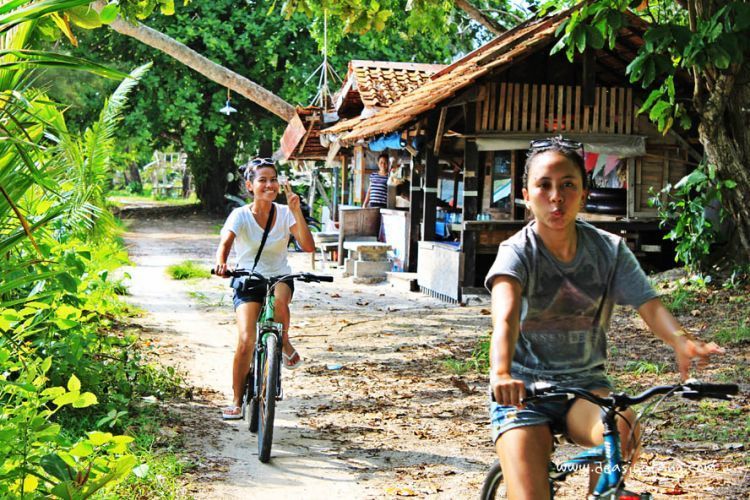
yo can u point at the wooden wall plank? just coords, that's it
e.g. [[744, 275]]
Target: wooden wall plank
[[493, 106], [551, 110], [629, 111], [501, 107], [560, 108], [533, 113], [509, 108], [620, 111], [568, 108], [525, 107], [595, 113], [486, 107], [577, 110], [603, 102], [516, 104], [612, 109], [542, 108]]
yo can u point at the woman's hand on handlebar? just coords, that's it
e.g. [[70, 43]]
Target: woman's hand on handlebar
[[507, 390], [221, 270]]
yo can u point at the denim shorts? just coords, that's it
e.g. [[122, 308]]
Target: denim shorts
[[256, 294], [505, 418]]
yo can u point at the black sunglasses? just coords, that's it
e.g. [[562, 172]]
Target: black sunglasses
[[551, 142]]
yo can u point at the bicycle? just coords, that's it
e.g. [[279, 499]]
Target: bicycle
[[605, 457], [263, 383]]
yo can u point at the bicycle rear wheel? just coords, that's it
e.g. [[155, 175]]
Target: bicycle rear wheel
[[267, 398], [493, 483]]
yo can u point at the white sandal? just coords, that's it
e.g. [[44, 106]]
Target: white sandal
[[288, 360]]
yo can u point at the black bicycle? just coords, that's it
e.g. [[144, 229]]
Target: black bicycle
[[263, 384], [605, 457]]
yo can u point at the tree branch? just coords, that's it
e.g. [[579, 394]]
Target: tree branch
[[195, 61], [480, 17]]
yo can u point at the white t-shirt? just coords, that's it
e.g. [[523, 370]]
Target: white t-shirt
[[248, 235]]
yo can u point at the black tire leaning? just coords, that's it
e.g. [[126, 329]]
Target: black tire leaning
[[267, 398], [492, 482], [614, 196]]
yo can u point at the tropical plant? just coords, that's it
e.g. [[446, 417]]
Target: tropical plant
[[685, 207]]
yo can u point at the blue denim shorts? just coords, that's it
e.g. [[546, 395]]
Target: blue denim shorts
[[256, 294], [505, 418]]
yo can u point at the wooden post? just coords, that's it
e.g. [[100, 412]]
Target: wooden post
[[413, 219], [430, 195], [471, 199]]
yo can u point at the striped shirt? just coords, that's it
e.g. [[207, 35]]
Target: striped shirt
[[378, 191]]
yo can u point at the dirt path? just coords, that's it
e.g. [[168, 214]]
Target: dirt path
[[372, 413]]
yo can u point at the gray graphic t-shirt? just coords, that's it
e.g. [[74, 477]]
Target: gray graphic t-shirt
[[566, 307]]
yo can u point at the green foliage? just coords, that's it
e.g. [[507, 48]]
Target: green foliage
[[738, 334], [717, 41], [646, 367], [683, 207], [478, 361], [58, 307], [187, 270]]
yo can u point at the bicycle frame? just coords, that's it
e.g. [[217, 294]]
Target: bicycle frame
[[607, 456]]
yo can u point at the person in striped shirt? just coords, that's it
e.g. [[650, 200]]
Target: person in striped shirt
[[377, 193]]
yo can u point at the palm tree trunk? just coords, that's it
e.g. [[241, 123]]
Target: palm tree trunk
[[203, 65]]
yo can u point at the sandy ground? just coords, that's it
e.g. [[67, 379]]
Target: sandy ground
[[372, 413]]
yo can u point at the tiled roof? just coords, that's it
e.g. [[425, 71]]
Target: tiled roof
[[503, 51], [382, 83], [448, 81]]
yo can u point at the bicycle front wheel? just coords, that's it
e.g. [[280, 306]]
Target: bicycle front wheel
[[493, 483], [267, 398], [251, 404]]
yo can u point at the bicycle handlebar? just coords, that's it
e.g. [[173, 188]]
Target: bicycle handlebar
[[305, 277], [692, 389]]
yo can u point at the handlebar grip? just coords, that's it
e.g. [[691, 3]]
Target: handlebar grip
[[213, 271], [698, 390], [325, 278]]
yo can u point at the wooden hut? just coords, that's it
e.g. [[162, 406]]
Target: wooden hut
[[472, 123]]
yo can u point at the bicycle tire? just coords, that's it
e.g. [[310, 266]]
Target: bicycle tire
[[492, 482], [267, 398], [251, 413]]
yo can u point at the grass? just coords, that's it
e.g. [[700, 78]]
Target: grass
[[709, 421], [206, 300], [642, 367], [733, 335], [187, 270], [478, 361]]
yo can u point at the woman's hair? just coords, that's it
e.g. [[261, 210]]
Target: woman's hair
[[250, 169], [564, 147], [384, 155]]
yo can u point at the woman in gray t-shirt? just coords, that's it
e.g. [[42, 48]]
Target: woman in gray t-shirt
[[553, 286]]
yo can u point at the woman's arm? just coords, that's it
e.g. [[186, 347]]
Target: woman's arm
[[506, 317], [222, 253], [300, 230], [685, 346]]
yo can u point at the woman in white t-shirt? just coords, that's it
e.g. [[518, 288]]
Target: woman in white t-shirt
[[244, 229]]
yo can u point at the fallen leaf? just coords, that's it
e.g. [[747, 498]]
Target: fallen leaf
[[485, 312], [676, 490], [695, 312], [461, 385], [334, 295], [400, 491], [361, 302]]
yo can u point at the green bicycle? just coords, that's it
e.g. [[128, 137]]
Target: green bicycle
[[263, 383]]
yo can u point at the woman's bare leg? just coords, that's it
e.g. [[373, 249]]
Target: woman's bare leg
[[247, 318], [524, 455]]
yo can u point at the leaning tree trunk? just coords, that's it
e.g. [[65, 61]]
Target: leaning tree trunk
[[203, 65], [724, 131]]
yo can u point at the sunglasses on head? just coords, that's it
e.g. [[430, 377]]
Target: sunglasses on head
[[256, 163], [551, 142]]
